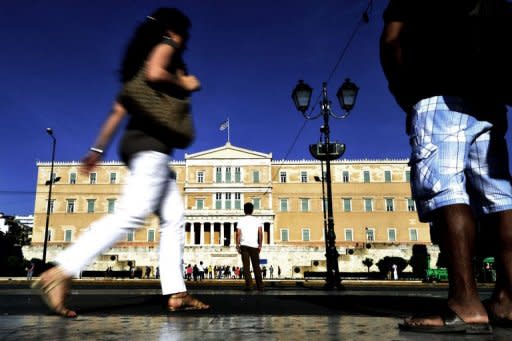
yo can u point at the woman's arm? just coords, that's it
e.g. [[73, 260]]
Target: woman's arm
[[107, 130], [158, 61]]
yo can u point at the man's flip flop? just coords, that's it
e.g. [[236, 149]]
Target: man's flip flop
[[495, 320], [452, 323]]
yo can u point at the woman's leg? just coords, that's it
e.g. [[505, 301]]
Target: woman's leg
[[141, 196], [172, 241]]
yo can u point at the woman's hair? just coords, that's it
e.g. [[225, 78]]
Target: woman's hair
[[150, 33]]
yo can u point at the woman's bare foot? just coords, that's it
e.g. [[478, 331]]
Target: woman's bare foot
[[184, 301], [54, 287]]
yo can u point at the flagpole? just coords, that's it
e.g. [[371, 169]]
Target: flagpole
[[228, 131]]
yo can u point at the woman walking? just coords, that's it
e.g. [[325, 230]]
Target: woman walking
[[157, 46]]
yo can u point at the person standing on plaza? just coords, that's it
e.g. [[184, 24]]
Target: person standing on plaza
[[249, 239], [157, 45], [443, 68], [201, 270], [30, 270]]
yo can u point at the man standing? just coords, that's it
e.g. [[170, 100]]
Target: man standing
[[249, 238], [443, 61]]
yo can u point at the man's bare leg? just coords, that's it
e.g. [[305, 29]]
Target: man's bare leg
[[457, 242]]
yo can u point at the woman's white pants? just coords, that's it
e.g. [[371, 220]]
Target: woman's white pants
[[150, 188]]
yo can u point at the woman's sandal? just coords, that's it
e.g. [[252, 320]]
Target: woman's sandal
[[186, 302], [57, 280]]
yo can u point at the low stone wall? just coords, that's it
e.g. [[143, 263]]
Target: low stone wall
[[286, 257]]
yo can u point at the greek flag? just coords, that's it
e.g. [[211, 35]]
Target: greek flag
[[224, 125]]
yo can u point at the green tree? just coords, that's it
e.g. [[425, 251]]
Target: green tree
[[386, 263], [12, 262], [368, 262]]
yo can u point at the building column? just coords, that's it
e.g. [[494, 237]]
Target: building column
[[192, 234], [212, 233], [221, 234], [271, 231], [232, 240], [201, 234]]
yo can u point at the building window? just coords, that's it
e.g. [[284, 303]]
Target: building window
[[407, 176], [283, 205], [111, 205], [324, 204], [228, 174], [284, 235], [70, 206], [347, 204], [304, 205], [227, 202], [392, 234], [256, 177], [200, 177], [256, 203], [387, 176], [306, 234], [199, 204], [411, 205], [282, 177], [345, 176], [413, 235], [113, 178], [151, 235], [92, 178], [390, 207], [218, 201], [238, 201], [303, 176], [370, 234], [349, 235], [366, 176], [90, 205], [238, 175], [130, 236], [67, 235], [72, 178], [52, 205], [218, 175], [368, 204]]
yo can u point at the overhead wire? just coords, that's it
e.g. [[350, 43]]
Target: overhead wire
[[365, 18]]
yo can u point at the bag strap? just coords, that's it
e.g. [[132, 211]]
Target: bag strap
[[168, 41]]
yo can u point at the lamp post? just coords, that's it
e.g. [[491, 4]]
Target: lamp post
[[325, 151], [50, 182]]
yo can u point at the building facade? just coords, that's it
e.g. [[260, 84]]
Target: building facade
[[374, 214]]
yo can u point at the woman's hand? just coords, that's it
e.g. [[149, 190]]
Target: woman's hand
[[90, 161], [188, 82]]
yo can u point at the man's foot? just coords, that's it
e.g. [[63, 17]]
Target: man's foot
[[446, 322], [500, 313], [184, 301], [54, 286]]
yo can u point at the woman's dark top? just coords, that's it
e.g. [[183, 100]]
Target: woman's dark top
[[141, 135]]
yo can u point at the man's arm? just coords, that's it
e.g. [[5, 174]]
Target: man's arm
[[238, 237], [260, 237], [391, 57]]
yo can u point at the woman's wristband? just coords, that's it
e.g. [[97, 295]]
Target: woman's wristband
[[96, 150]]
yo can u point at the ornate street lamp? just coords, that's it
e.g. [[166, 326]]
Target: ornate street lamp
[[49, 182], [325, 151]]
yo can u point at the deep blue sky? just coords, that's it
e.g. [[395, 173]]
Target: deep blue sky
[[59, 61]]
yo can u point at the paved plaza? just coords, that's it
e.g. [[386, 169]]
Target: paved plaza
[[133, 310]]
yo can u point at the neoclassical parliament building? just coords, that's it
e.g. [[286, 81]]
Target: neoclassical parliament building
[[374, 214]]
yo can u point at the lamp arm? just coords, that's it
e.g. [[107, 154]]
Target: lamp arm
[[311, 117], [333, 114]]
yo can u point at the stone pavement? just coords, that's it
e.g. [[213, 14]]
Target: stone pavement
[[287, 310]]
